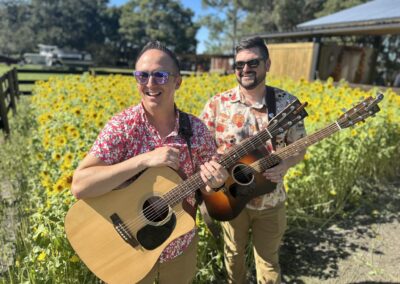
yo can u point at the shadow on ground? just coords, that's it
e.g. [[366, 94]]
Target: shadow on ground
[[317, 253]]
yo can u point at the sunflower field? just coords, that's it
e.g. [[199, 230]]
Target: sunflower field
[[56, 127]]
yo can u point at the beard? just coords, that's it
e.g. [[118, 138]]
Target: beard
[[250, 83]]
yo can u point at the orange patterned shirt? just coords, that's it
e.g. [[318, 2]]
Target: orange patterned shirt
[[231, 119]]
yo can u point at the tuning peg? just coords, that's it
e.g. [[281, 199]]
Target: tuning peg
[[271, 115]]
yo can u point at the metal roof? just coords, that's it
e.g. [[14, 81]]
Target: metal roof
[[373, 12], [377, 17]]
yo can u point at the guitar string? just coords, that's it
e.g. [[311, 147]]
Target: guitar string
[[200, 183], [177, 213], [196, 183], [301, 144], [193, 184], [285, 152]]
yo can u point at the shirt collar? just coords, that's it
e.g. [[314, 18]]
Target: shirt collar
[[150, 126], [237, 97]]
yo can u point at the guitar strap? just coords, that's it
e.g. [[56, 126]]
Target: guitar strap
[[185, 131], [271, 107]]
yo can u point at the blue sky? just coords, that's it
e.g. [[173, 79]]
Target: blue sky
[[195, 5]]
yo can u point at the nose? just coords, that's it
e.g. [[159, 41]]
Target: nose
[[151, 81], [246, 67]]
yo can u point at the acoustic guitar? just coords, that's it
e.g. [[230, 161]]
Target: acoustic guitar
[[121, 234], [246, 180]]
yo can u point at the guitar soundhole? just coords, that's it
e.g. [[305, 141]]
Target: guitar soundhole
[[242, 174], [155, 209]]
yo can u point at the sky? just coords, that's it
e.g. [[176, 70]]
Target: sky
[[195, 5]]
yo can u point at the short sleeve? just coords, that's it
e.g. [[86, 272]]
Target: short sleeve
[[110, 145]]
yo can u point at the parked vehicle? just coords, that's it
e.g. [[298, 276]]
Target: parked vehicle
[[52, 55]]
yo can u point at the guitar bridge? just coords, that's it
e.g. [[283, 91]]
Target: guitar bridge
[[123, 231]]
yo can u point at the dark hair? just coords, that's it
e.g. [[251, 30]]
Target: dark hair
[[155, 44], [251, 43]]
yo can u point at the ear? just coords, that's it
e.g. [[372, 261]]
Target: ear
[[178, 82], [268, 64]]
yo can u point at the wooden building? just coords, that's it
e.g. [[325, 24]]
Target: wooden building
[[307, 52]]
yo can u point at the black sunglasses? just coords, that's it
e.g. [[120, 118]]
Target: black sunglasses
[[239, 65], [159, 77]]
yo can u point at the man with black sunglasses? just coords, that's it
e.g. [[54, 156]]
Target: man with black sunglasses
[[149, 135], [232, 116]]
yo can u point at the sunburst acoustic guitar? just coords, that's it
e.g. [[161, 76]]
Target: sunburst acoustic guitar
[[121, 234], [246, 180]]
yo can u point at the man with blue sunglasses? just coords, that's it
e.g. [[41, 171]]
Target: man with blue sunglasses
[[148, 135]]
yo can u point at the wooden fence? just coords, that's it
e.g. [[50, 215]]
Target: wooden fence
[[9, 92], [28, 76]]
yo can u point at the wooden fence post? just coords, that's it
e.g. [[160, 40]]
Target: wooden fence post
[[3, 110], [15, 79], [12, 92]]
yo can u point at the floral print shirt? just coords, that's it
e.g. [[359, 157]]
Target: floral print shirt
[[129, 133], [231, 119]]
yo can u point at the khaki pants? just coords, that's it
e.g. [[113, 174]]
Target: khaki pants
[[180, 270], [268, 227]]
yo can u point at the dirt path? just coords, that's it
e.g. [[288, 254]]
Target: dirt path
[[365, 248], [8, 225]]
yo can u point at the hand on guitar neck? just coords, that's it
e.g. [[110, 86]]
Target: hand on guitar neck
[[277, 173]]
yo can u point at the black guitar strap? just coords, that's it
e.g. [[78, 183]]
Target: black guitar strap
[[271, 107], [185, 131]]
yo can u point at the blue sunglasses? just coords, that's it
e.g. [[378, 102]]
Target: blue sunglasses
[[159, 77]]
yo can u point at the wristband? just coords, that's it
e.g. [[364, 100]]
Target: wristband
[[218, 188]]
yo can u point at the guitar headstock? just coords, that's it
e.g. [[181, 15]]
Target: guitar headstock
[[292, 114], [360, 112]]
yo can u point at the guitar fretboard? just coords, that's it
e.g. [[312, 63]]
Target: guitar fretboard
[[292, 149]]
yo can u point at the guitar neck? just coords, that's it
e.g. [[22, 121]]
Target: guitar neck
[[234, 154], [247, 146], [301, 144]]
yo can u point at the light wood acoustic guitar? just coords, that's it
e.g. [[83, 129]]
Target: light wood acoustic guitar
[[246, 180], [121, 234]]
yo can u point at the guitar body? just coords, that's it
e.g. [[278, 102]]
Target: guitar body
[[118, 236], [243, 184]]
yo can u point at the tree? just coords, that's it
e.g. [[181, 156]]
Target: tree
[[224, 32], [15, 31], [246, 17], [69, 24], [163, 20], [332, 6], [74, 24], [285, 15]]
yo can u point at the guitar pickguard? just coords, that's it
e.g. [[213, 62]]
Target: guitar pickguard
[[151, 236]]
